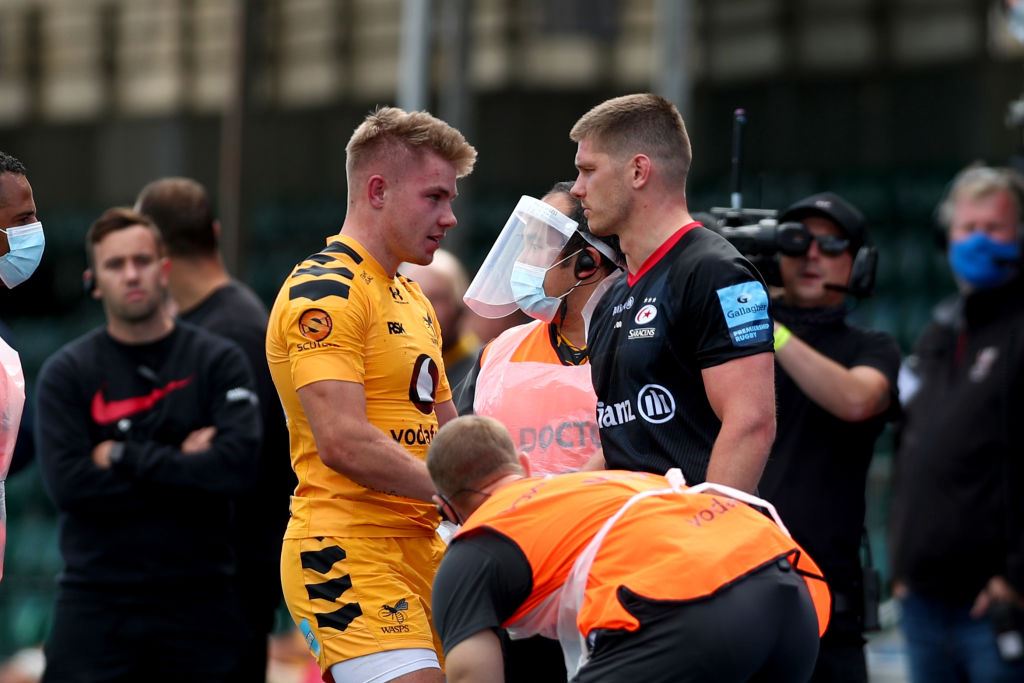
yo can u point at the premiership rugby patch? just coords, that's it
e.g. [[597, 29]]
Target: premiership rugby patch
[[745, 307]]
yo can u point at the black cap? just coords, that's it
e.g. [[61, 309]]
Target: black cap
[[833, 207]]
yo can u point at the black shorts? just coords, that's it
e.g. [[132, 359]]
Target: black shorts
[[103, 637], [762, 628]]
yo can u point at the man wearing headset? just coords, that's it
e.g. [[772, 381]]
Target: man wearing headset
[[835, 387], [959, 575]]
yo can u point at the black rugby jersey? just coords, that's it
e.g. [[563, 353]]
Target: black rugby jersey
[[694, 304]]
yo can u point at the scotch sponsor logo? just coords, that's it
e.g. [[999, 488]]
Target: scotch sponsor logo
[[395, 328], [642, 332], [309, 346], [656, 404], [315, 324], [422, 435], [615, 414]]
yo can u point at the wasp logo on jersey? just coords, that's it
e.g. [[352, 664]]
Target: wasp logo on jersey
[[430, 328], [315, 324], [423, 385], [394, 613]]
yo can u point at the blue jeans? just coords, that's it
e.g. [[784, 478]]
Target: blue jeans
[[946, 645]]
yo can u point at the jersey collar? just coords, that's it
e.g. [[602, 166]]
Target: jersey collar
[[652, 260], [366, 260]]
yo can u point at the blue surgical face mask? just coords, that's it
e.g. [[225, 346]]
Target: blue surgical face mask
[[981, 262], [528, 289], [26, 244]]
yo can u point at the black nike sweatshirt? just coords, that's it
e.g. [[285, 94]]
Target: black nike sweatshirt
[[158, 518]]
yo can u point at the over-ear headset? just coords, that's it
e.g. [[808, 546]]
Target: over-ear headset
[[862, 272]]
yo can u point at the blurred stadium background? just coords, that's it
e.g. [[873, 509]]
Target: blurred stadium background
[[878, 100]]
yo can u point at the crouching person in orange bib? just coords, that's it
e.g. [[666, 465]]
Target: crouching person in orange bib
[[638, 576]]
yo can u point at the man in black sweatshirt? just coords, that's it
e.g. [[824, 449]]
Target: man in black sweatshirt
[[145, 430], [207, 296], [956, 527]]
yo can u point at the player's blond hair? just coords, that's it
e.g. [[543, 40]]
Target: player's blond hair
[[387, 131]]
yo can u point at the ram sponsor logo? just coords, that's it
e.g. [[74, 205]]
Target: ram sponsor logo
[[656, 404]]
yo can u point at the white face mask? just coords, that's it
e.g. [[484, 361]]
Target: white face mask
[[26, 244]]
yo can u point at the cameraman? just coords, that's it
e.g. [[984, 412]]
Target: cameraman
[[836, 387]]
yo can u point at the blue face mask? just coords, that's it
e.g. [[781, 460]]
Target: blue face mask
[[26, 244], [983, 263], [528, 289]]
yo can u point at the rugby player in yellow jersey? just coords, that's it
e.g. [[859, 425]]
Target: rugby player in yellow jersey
[[355, 353]]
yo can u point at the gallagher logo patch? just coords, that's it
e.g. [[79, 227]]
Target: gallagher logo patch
[[315, 324]]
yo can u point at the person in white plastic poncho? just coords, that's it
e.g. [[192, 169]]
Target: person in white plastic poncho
[[535, 378], [21, 248]]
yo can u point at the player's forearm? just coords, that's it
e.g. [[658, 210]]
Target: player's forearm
[[378, 463]]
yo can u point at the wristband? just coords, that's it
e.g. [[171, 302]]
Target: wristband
[[782, 336]]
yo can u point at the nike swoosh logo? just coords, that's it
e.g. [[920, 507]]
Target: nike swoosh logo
[[108, 412]]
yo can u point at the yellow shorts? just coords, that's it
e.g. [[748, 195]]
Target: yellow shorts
[[357, 596]]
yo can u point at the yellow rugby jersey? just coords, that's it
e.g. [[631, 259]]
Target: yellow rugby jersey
[[339, 316]]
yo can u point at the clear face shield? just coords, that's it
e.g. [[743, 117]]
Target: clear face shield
[[529, 244]]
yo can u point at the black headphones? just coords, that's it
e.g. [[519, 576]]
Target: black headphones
[[585, 261], [862, 272]]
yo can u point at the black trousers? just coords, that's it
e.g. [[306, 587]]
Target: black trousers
[[100, 637], [762, 628]]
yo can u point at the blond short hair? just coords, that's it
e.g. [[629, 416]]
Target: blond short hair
[[978, 181], [640, 124], [470, 452], [390, 130]]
